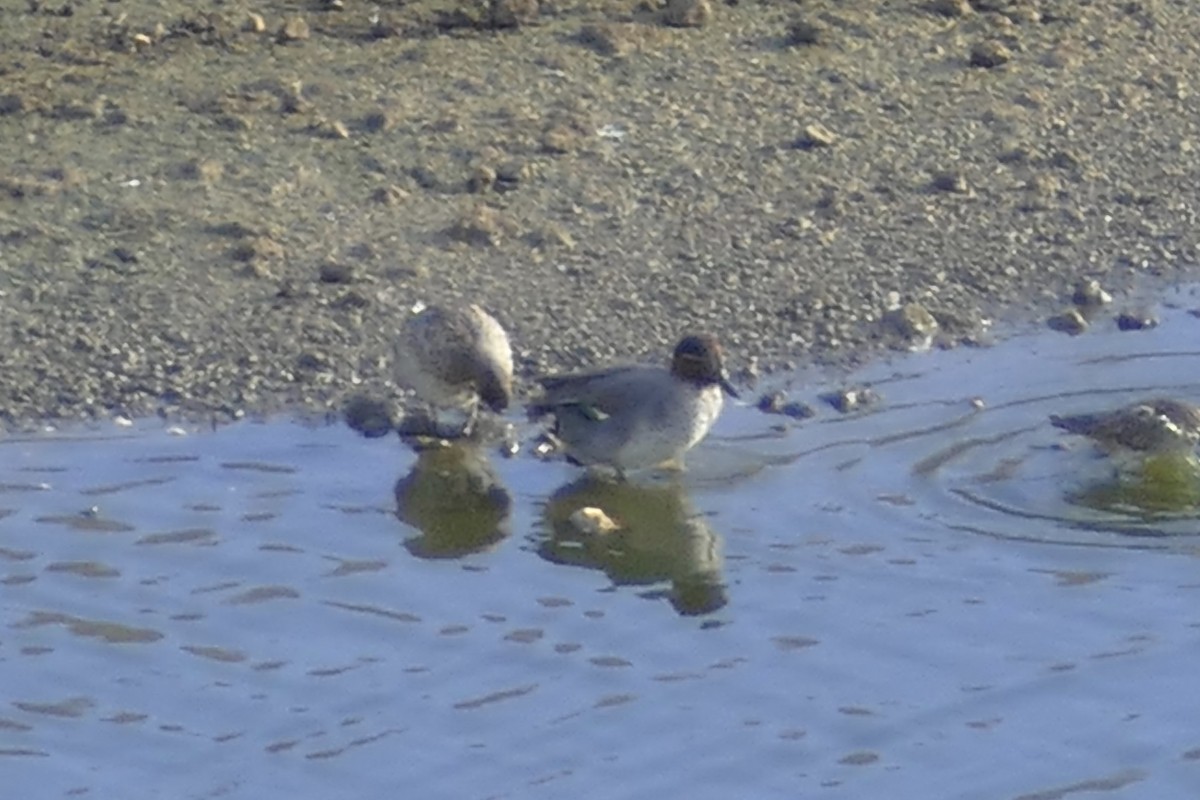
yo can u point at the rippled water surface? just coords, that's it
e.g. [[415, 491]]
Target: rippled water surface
[[902, 602]]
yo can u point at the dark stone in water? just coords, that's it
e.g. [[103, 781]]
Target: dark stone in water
[[1136, 321]]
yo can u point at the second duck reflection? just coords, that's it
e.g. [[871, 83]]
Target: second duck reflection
[[456, 500]]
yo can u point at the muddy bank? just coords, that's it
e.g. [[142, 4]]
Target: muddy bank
[[225, 209]]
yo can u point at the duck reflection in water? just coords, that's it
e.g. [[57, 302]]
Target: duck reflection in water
[[658, 537], [455, 499]]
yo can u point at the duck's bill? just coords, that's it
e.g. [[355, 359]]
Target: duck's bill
[[728, 387]]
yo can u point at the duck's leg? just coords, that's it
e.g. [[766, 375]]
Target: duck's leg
[[468, 428]]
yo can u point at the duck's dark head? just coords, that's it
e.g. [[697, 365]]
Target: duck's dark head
[[698, 359], [495, 389]]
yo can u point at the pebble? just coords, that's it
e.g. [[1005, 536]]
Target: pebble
[[560, 139], [1136, 320], [950, 181], [852, 399], [254, 23], [990, 54], [687, 13], [336, 272], [777, 403], [11, 103], [912, 323], [1090, 294], [1069, 321], [293, 29], [481, 225], [803, 31], [814, 136], [951, 8], [389, 195], [258, 248], [513, 13]]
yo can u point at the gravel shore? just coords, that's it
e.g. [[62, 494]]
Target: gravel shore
[[226, 209]]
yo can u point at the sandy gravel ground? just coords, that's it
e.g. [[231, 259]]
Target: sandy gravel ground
[[226, 206]]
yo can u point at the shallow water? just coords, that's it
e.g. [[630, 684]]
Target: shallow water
[[897, 603]]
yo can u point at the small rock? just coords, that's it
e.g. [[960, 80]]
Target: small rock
[[911, 322], [234, 123], [333, 272], [206, 170], [378, 122], [772, 402], [511, 175], [560, 139], [749, 373], [552, 235], [990, 54], [114, 114], [351, 300], [482, 179], [545, 446], [951, 8], [952, 182], [777, 403], [854, 399], [290, 290], [11, 104], [233, 230], [254, 23], [259, 248], [369, 416], [261, 269], [293, 29], [606, 38], [1066, 160], [687, 13], [330, 129], [79, 111], [427, 177], [291, 99], [1136, 320], [311, 361], [1090, 294], [513, 13], [592, 521], [389, 195], [1043, 185], [803, 32], [814, 136], [1024, 15], [385, 25], [1070, 321], [482, 225]]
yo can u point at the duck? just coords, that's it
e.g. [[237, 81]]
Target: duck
[[454, 358], [630, 417]]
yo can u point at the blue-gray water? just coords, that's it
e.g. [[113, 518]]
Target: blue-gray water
[[900, 603]]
